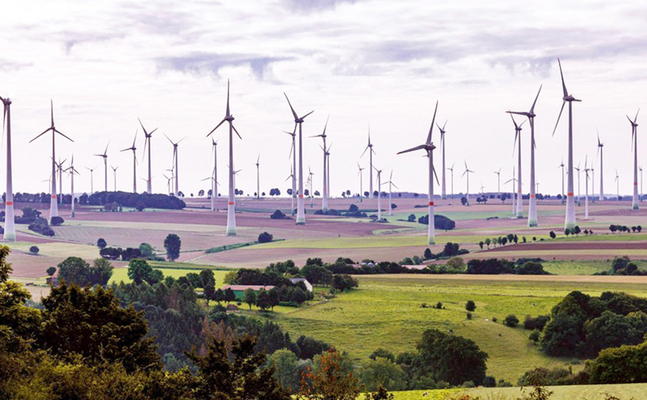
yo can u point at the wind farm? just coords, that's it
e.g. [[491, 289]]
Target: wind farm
[[368, 250]]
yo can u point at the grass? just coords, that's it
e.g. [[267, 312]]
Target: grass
[[385, 312], [58, 249], [121, 274], [589, 392]]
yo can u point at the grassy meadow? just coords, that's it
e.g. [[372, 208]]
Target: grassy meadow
[[385, 312]]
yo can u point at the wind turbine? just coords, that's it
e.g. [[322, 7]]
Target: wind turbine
[[9, 226], [600, 150], [452, 170], [59, 170], [586, 189], [578, 184], [231, 202], [498, 179], [91, 178], [428, 147], [53, 205], [105, 166], [114, 174], [442, 139], [258, 177], [324, 200], [617, 181], [168, 183], [293, 154], [468, 172], [517, 139], [71, 170], [298, 121], [175, 163], [133, 148], [634, 144], [514, 181], [391, 184], [360, 174], [310, 181], [569, 222], [369, 147], [379, 194], [562, 167], [532, 203], [147, 144], [214, 178]]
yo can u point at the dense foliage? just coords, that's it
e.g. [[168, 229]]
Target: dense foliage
[[75, 270], [131, 199]]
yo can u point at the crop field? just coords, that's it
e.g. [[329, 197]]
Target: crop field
[[121, 274], [634, 391], [386, 312]]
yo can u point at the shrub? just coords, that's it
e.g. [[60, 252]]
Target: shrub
[[110, 253], [511, 321], [56, 221], [40, 226], [470, 305], [489, 381], [265, 237], [101, 243], [469, 315], [140, 206], [278, 214], [51, 271], [34, 250], [172, 244]]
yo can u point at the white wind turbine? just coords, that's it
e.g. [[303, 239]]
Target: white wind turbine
[[517, 139], [467, 172], [134, 149], [360, 174], [53, 205], [114, 175], [634, 144], [578, 183], [309, 183], [147, 144], [9, 227], [168, 183], [72, 171], [586, 189], [452, 175], [617, 182], [324, 200], [91, 178], [214, 178], [298, 121], [293, 168], [369, 147], [532, 201], [258, 177], [379, 194], [600, 150], [562, 167], [175, 164], [443, 192], [569, 222], [391, 186], [514, 181], [231, 202], [59, 170], [105, 166], [428, 147], [498, 180]]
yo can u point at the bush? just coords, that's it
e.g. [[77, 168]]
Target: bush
[[172, 244], [101, 243], [470, 305], [40, 226], [278, 214], [489, 381], [511, 321], [265, 237], [110, 253], [56, 221], [140, 206], [51, 271], [34, 250]]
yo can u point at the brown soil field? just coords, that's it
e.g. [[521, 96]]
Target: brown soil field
[[523, 278]]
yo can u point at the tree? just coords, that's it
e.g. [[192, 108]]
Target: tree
[[74, 270], [90, 323], [511, 321], [229, 295], [382, 372], [263, 300], [286, 368], [265, 237], [329, 380], [146, 251], [626, 364], [207, 278], [470, 305], [552, 235], [427, 254], [139, 270], [51, 271], [487, 242], [249, 297], [34, 250], [239, 377], [140, 206], [100, 272], [209, 292], [172, 244]]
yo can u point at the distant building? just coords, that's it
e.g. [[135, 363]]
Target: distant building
[[53, 280], [305, 282], [239, 290]]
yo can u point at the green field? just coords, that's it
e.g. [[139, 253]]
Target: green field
[[385, 312], [634, 391], [121, 274]]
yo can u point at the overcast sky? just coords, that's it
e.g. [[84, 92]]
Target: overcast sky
[[383, 63]]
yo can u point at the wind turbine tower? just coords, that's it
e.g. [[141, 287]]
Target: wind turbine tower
[[72, 171], [53, 205], [452, 177], [258, 177], [517, 139], [569, 222], [134, 149], [324, 200], [214, 178], [562, 167], [369, 147], [114, 175], [379, 193], [231, 202], [532, 203], [467, 172], [498, 180], [586, 190], [361, 194], [9, 227], [105, 166], [442, 139], [293, 176], [391, 185], [298, 121], [634, 137], [147, 144], [91, 178], [601, 150]]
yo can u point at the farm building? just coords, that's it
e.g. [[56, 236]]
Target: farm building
[[239, 290], [305, 282]]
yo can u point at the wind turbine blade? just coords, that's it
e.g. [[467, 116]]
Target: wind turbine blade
[[59, 132], [432, 123], [168, 139], [227, 97], [307, 114], [636, 118], [562, 75], [436, 175], [420, 147], [364, 152], [234, 128], [532, 109], [217, 126], [558, 117], [294, 113], [44, 132]]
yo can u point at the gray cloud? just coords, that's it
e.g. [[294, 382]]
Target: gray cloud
[[210, 63]]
